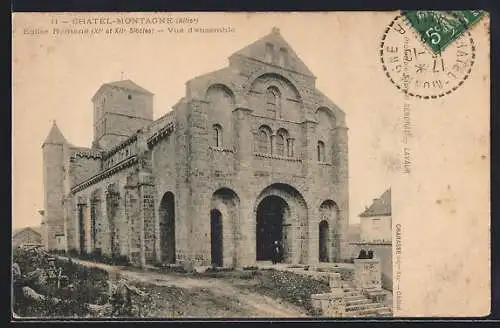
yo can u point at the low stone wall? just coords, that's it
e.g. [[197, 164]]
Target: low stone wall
[[331, 304], [384, 253]]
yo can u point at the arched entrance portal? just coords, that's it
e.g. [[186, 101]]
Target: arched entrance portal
[[270, 226], [323, 241], [216, 237], [167, 228], [281, 214]]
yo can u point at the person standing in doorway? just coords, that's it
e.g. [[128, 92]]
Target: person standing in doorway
[[276, 252]]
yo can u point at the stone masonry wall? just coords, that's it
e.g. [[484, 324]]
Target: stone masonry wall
[[193, 167], [53, 180]]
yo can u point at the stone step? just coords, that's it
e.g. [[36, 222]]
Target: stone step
[[385, 313], [372, 312], [363, 306], [352, 293], [354, 297], [374, 290], [357, 301]]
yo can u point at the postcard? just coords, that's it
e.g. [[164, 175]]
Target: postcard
[[251, 165]]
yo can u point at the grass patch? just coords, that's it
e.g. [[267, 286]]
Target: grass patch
[[294, 288]]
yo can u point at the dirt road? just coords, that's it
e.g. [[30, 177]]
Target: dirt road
[[181, 296]]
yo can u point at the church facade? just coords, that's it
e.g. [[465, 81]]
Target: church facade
[[252, 154]]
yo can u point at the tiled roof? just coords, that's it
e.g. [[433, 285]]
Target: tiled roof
[[129, 85], [55, 136], [380, 207], [124, 84]]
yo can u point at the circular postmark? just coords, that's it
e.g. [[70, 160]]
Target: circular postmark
[[419, 72]]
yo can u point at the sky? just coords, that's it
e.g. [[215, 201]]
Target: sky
[[55, 78]]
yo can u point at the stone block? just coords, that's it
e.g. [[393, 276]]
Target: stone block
[[367, 273], [334, 281], [329, 304]]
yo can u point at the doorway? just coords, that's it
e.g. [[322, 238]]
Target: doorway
[[216, 237], [167, 228], [270, 223], [323, 241]]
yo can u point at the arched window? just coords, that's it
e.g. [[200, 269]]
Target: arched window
[[273, 100], [269, 52], [321, 151], [283, 57], [217, 135], [282, 142], [280, 145], [264, 140], [290, 147]]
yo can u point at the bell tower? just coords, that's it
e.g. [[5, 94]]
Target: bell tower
[[120, 109]]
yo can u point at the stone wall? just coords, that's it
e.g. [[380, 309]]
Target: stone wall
[[194, 166], [54, 182], [377, 229]]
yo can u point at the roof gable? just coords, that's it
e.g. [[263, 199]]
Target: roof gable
[[380, 207], [36, 230], [257, 50]]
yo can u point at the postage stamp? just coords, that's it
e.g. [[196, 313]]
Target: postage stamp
[[250, 165], [426, 64], [440, 28]]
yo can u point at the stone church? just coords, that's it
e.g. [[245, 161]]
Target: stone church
[[252, 154]]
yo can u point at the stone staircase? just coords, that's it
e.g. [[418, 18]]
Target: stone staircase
[[367, 303]]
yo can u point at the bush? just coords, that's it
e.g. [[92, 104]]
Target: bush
[[86, 285]]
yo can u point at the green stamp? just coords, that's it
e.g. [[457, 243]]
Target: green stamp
[[438, 29]]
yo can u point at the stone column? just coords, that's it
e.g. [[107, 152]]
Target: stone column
[[341, 180], [87, 225], [132, 213], [103, 236], [247, 232], [147, 218], [198, 209], [243, 139], [291, 149], [314, 219], [158, 235], [83, 205], [273, 145], [309, 147], [124, 244]]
